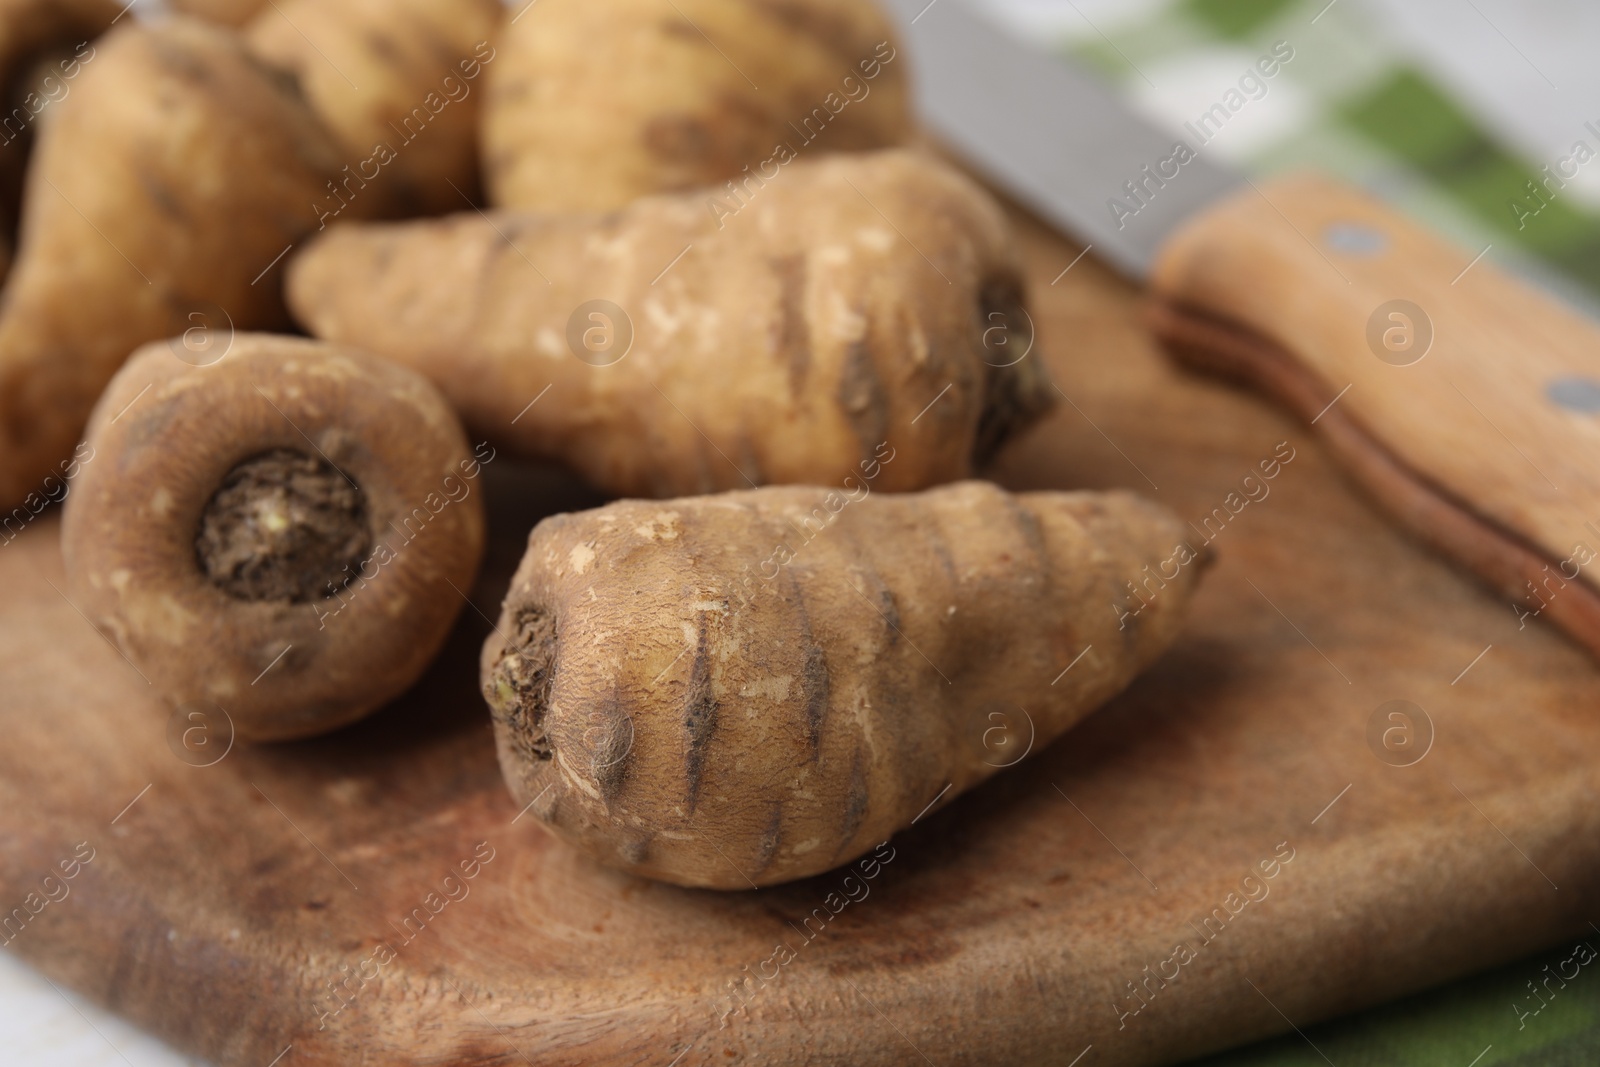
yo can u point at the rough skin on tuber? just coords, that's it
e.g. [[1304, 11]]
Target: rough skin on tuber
[[281, 534], [399, 84], [160, 192], [855, 302], [595, 103], [750, 688]]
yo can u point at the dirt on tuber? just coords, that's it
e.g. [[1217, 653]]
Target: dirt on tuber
[[744, 689], [859, 303], [281, 535]]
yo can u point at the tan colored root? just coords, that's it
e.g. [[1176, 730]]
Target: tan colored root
[[220, 163], [44, 45], [852, 307], [595, 103], [399, 83], [755, 687]]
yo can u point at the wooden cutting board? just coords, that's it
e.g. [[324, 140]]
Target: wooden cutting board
[[223, 903]]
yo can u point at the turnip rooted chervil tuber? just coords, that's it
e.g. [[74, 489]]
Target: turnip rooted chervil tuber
[[44, 45], [671, 349], [595, 103], [394, 82], [745, 689], [159, 195], [282, 534]]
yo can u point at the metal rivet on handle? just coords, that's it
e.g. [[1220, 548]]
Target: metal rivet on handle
[[1575, 394], [1354, 239]]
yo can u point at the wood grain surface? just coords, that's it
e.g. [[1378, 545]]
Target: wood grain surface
[[221, 903]]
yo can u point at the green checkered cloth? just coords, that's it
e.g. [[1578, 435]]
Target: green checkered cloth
[[1367, 110], [1375, 116]]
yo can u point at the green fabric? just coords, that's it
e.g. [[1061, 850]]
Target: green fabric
[[1413, 121], [1374, 114], [1408, 118], [1237, 19], [1451, 1026]]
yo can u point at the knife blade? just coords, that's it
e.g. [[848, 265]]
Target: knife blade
[[1050, 134], [1465, 402]]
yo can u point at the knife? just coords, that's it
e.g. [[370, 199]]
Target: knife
[[1465, 402]]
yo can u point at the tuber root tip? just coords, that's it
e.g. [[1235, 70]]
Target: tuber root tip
[[1016, 385], [284, 526], [518, 688]]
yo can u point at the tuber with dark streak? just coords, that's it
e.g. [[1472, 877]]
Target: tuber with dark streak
[[595, 103], [399, 84], [857, 304], [744, 689]]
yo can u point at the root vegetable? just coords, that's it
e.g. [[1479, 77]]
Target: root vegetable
[[159, 195], [281, 534], [856, 303], [595, 103], [397, 83], [754, 687], [43, 46]]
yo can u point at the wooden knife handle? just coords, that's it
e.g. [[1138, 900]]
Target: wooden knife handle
[[1465, 401]]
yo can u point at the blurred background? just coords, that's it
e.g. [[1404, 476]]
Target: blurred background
[[1446, 108], [1451, 110]]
